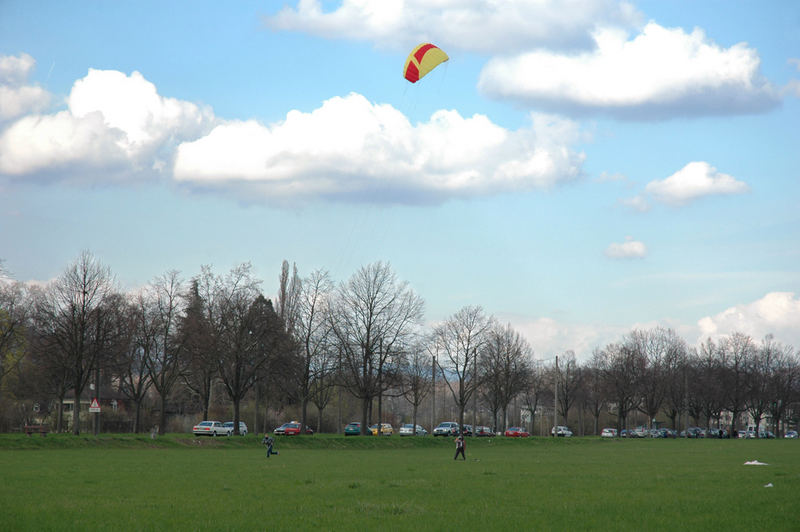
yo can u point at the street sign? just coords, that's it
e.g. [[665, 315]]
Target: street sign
[[95, 406]]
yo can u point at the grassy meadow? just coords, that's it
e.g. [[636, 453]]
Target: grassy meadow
[[126, 482]]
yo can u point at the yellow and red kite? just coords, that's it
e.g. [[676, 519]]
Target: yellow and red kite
[[422, 60]]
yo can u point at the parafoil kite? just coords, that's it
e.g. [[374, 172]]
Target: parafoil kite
[[422, 60]]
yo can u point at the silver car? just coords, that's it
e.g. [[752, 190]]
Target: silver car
[[242, 427], [446, 428], [211, 428], [409, 430]]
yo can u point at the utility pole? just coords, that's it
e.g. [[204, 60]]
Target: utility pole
[[96, 424], [555, 402], [686, 398], [433, 392], [475, 395]]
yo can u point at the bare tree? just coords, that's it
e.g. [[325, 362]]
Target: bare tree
[[372, 313], [415, 377], [322, 380], [758, 394], [536, 390], [620, 368], [249, 330], [164, 306], [15, 313], [460, 341], [705, 392], [735, 354], [132, 364], [593, 394], [70, 314], [676, 378], [505, 367], [783, 379], [656, 347], [312, 331], [569, 383]]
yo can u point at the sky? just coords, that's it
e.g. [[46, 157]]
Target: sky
[[578, 168]]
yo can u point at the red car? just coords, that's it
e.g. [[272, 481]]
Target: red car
[[291, 429], [517, 432]]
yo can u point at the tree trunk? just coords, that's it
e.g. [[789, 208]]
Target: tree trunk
[[162, 423], [60, 421], [365, 404], [304, 410], [207, 398], [76, 413], [136, 419], [236, 417]]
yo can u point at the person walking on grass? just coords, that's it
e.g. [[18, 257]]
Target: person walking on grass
[[460, 448], [269, 442]]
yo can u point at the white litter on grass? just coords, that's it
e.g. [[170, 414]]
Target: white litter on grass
[[754, 462], [768, 485]]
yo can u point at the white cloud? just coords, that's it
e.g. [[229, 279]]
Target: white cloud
[[114, 123], [693, 181], [777, 313], [659, 73], [630, 249], [474, 25], [637, 203], [792, 88], [17, 98], [352, 148], [549, 337], [608, 177]]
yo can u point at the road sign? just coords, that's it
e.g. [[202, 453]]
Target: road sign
[[95, 406]]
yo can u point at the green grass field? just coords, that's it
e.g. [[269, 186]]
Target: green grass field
[[336, 483]]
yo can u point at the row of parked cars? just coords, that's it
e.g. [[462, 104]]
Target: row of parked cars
[[450, 428], [691, 432]]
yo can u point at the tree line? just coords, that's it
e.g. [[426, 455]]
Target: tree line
[[179, 337]]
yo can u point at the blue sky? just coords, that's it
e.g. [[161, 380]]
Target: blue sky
[[578, 168]]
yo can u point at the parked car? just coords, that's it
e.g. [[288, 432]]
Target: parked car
[[792, 434], [516, 432], [693, 432], [409, 430], [242, 427], [561, 431], [766, 434], [211, 428], [608, 433], [467, 430], [386, 429], [446, 428], [353, 428], [484, 432], [291, 429]]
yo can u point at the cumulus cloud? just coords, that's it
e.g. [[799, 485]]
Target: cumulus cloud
[[693, 181], [475, 25], [660, 73], [549, 337], [637, 203], [16, 97], [352, 148], [113, 123], [630, 249], [777, 313], [793, 86]]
